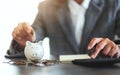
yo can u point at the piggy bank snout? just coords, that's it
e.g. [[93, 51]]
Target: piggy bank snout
[[34, 54]]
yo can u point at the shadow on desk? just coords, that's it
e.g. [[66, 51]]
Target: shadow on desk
[[58, 69], [68, 69]]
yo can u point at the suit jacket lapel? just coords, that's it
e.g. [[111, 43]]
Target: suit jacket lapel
[[92, 15], [65, 21]]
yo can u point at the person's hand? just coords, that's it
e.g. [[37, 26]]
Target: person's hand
[[22, 33], [105, 46]]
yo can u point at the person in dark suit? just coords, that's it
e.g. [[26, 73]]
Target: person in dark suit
[[100, 20]]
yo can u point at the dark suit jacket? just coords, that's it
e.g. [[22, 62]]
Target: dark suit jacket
[[54, 21]]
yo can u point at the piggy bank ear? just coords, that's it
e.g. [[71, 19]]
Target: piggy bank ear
[[28, 43]]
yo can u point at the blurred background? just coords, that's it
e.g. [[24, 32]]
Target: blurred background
[[13, 12]]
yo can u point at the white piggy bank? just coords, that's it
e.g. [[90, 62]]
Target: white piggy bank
[[34, 51]]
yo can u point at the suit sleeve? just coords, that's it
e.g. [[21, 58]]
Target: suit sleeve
[[15, 50], [117, 27], [39, 25], [118, 19]]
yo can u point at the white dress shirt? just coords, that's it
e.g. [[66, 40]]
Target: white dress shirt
[[78, 17]]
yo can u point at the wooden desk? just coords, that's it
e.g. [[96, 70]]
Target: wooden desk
[[58, 69]]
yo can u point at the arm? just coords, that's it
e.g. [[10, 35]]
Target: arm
[[105, 45], [24, 32]]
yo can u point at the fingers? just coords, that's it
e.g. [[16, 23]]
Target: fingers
[[103, 45], [113, 51], [23, 32], [15, 34], [93, 42], [26, 28], [107, 49], [100, 44]]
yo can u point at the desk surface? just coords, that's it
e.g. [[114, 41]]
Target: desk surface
[[58, 69]]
